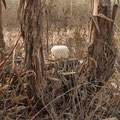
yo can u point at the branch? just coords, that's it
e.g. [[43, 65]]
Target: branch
[[8, 57]]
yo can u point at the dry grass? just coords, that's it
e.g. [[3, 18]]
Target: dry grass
[[63, 95]]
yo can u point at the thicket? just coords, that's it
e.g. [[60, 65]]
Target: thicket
[[64, 94]]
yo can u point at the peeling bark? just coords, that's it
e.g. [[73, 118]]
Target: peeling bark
[[30, 17], [95, 9], [102, 52]]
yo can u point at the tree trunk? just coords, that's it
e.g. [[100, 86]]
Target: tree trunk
[[2, 43], [30, 16], [101, 52]]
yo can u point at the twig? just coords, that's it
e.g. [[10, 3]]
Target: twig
[[54, 100], [8, 57], [22, 86]]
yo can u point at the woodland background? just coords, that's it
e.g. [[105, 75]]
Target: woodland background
[[64, 22]]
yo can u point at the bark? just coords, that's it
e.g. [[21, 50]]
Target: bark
[[30, 17], [2, 43], [4, 3]]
